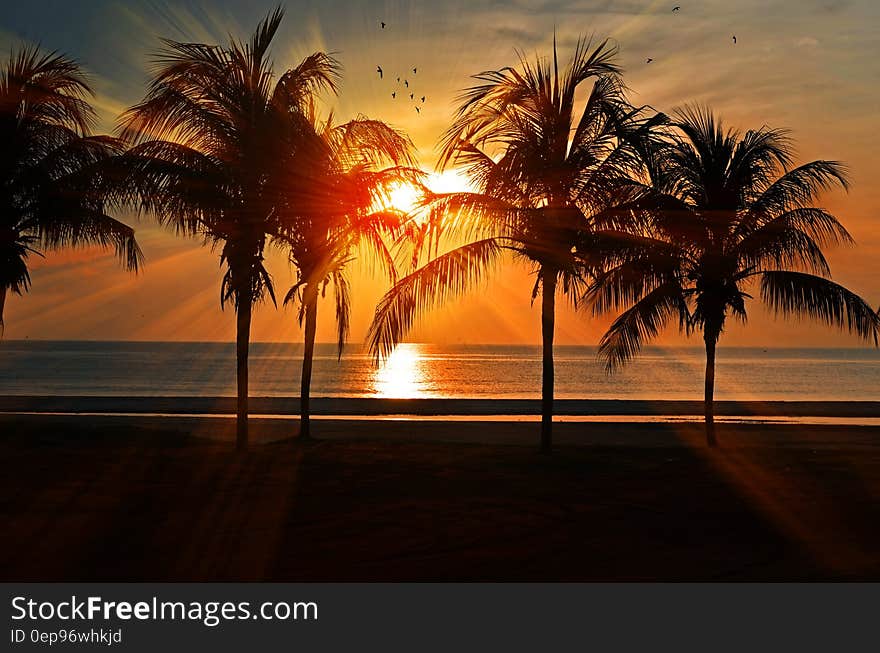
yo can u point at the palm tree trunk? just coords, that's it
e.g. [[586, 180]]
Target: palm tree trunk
[[242, 345], [2, 305], [308, 355], [548, 323], [710, 336]]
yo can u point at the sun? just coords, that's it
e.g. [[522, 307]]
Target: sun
[[403, 197], [407, 198]]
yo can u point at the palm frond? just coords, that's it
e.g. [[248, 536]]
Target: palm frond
[[90, 227], [445, 276], [371, 234], [263, 35], [56, 173], [798, 294], [342, 295], [793, 239], [641, 322], [316, 73], [462, 216], [372, 143], [180, 186], [46, 88], [798, 187], [587, 63], [14, 274], [639, 268], [757, 159], [817, 223]]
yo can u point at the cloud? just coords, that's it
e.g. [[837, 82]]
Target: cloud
[[834, 6], [807, 42], [561, 7]]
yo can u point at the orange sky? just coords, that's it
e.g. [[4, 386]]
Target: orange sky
[[808, 66]]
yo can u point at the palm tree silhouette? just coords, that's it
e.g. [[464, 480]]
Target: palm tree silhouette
[[215, 140], [543, 170], [52, 181], [335, 210], [724, 209]]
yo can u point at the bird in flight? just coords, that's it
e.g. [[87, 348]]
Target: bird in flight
[[411, 96], [418, 110], [676, 8], [734, 39], [649, 60], [383, 25], [406, 82], [423, 99], [393, 94], [379, 70], [415, 70]]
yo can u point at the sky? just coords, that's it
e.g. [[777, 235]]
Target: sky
[[809, 65]]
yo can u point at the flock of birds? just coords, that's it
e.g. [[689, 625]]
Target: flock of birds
[[412, 95], [675, 9]]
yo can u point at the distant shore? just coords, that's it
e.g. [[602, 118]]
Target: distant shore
[[332, 406]]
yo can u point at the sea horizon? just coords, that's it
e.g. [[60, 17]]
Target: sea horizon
[[432, 371]]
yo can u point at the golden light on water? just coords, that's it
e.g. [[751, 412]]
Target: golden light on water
[[403, 375]]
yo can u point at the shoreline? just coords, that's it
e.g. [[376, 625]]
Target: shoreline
[[366, 407]]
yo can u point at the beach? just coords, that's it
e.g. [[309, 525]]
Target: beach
[[144, 497]]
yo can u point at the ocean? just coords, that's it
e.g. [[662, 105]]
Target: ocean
[[150, 369]]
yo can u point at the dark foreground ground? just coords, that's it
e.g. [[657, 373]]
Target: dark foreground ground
[[124, 499]]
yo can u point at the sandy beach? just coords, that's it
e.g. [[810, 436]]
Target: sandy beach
[[127, 498]]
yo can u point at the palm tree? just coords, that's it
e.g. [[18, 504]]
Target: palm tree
[[721, 210], [335, 210], [51, 168], [214, 140], [543, 170]]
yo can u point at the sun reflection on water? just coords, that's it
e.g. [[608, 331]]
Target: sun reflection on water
[[403, 374]]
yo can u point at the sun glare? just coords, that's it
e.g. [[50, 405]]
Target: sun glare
[[449, 181], [405, 197]]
